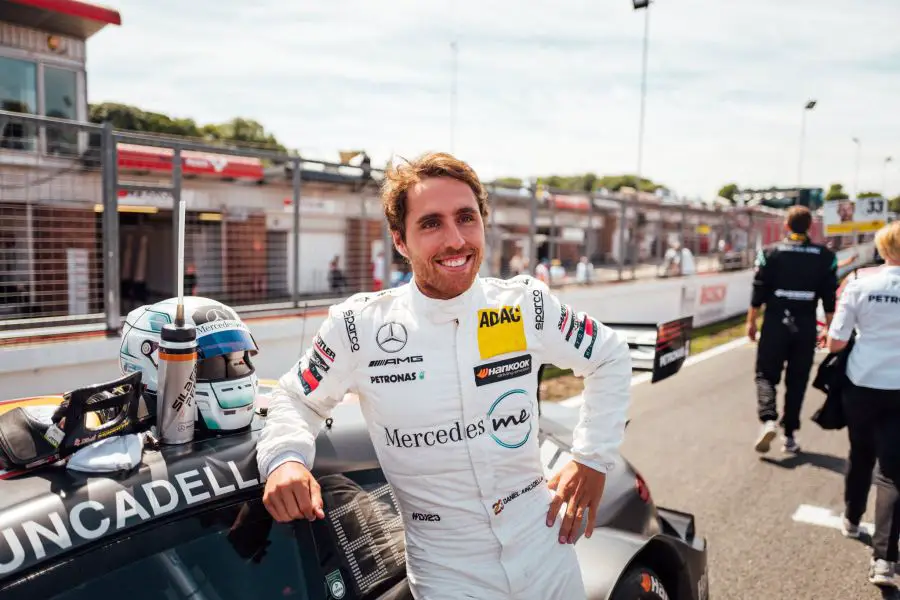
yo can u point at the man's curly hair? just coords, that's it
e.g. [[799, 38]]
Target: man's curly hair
[[399, 179]]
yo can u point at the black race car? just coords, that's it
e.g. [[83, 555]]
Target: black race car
[[189, 523]]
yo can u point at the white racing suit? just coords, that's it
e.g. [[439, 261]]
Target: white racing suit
[[448, 391]]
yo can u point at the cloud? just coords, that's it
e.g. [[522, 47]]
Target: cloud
[[542, 87]]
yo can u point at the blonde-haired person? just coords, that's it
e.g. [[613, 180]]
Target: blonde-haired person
[[871, 398]]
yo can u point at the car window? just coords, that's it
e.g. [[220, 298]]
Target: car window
[[237, 552]]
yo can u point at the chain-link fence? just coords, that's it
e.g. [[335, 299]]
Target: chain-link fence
[[87, 226]]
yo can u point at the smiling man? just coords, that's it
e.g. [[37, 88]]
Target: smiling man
[[446, 371]]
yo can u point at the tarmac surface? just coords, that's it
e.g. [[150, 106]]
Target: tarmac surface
[[692, 438]]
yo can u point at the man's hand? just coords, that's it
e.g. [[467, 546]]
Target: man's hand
[[752, 316], [293, 493], [581, 488]]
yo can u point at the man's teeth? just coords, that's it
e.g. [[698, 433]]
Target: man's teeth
[[454, 262]]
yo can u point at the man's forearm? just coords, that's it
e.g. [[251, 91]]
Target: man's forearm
[[753, 315]]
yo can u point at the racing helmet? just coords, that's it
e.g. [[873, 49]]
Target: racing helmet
[[226, 378]]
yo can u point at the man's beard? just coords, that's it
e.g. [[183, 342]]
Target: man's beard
[[434, 282]]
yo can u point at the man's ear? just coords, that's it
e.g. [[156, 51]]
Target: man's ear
[[399, 244]]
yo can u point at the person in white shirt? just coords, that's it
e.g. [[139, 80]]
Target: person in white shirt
[[687, 262], [871, 306]]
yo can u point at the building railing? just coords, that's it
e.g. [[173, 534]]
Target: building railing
[[86, 230]]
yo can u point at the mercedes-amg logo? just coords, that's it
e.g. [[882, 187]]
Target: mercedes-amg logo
[[391, 337], [217, 314]]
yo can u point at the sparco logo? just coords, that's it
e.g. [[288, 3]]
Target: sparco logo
[[397, 377], [537, 297], [502, 370], [395, 361], [350, 325], [425, 517]]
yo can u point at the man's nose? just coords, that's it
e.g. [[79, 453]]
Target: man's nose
[[454, 237]]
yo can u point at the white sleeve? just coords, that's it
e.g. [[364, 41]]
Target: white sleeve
[[844, 320], [306, 395], [574, 340]]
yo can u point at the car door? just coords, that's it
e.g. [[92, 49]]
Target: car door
[[236, 552]]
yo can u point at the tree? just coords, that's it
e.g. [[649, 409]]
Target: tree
[[869, 195], [514, 182], [728, 191], [836, 192], [131, 118], [894, 205]]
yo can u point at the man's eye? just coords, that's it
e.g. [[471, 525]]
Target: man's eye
[[466, 218], [429, 224]]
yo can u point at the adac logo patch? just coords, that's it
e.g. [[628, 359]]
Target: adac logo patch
[[500, 330]]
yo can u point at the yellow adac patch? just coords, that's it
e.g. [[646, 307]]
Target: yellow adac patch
[[500, 330]]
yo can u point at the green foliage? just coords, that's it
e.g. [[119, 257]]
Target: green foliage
[[728, 191], [894, 205], [587, 182], [513, 182], [836, 192], [131, 118], [869, 195]]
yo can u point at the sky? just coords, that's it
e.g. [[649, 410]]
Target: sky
[[542, 87]]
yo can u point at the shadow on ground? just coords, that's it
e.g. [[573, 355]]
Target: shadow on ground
[[823, 461]]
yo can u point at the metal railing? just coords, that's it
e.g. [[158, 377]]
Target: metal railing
[[86, 222]]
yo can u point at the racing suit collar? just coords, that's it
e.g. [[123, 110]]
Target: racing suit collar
[[443, 311]]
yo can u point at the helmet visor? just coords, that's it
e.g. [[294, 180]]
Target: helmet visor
[[234, 338], [224, 367]]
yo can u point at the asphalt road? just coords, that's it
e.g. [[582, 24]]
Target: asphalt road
[[692, 438]]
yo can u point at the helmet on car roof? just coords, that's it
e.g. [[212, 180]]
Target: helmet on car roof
[[226, 378]]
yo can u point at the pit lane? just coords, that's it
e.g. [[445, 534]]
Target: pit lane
[[692, 438]]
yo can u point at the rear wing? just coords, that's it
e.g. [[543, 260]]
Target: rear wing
[[661, 348]]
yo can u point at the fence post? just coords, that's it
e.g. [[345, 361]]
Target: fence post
[[493, 257], [623, 214], [176, 217], [295, 250], [110, 232], [532, 229]]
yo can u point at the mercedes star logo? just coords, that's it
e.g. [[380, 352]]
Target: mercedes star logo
[[391, 337], [217, 314]]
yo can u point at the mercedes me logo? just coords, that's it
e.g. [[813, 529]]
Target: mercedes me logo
[[391, 337]]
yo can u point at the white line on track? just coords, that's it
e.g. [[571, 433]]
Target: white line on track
[[691, 360], [824, 517]]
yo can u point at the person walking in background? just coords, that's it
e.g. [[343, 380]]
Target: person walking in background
[[790, 280], [871, 397], [336, 281]]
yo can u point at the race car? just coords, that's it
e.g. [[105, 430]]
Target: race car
[[189, 522]]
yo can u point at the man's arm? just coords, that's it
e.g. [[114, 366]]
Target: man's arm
[[304, 398], [841, 327], [574, 340], [762, 286], [828, 291]]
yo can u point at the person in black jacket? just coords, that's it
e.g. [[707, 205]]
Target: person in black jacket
[[790, 279]]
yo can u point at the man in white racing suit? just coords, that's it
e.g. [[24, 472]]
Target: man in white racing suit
[[445, 368]]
